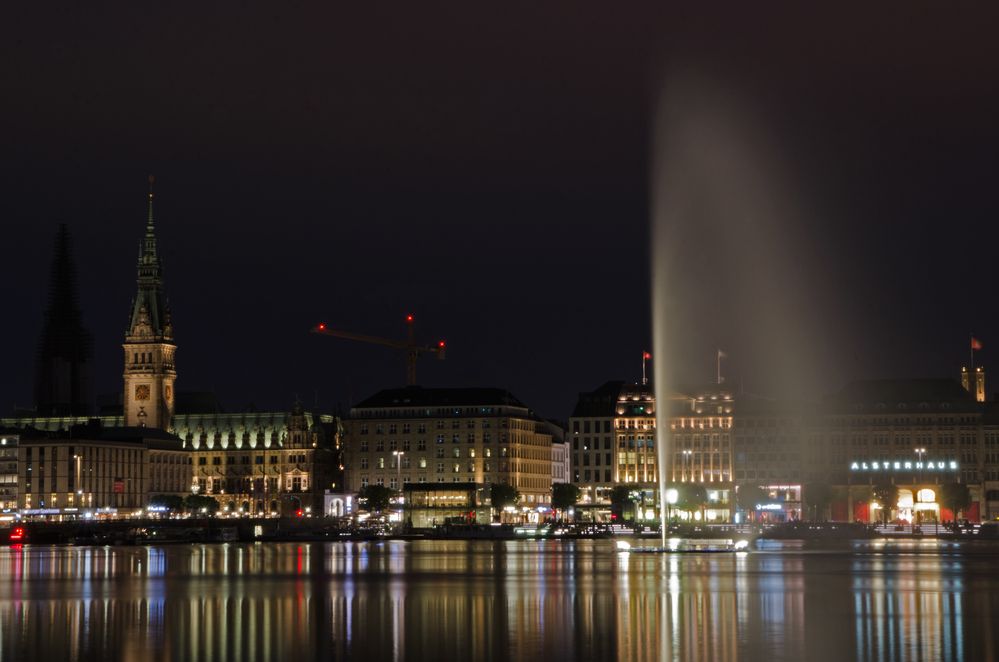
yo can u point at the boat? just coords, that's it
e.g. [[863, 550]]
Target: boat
[[687, 545]]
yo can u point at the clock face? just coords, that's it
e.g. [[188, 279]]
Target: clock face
[[142, 391]]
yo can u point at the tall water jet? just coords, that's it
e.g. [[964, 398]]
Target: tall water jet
[[735, 261], [658, 255]]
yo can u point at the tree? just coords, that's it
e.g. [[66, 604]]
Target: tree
[[955, 497], [691, 497], [621, 497], [502, 495], [564, 495], [817, 497], [375, 497], [171, 502], [749, 496], [886, 494], [195, 503]]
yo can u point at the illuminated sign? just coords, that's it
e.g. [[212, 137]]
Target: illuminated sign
[[769, 506], [904, 465]]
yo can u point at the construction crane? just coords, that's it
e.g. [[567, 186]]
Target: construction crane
[[412, 349]]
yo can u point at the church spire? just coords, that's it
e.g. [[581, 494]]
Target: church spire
[[148, 252], [148, 309], [149, 345]]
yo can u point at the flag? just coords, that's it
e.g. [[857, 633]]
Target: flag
[[647, 355], [976, 344]]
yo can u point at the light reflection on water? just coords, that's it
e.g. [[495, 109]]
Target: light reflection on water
[[484, 600]]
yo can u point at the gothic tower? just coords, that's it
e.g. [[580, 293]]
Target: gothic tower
[[149, 346], [62, 378]]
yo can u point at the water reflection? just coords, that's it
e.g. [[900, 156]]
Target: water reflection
[[483, 600]]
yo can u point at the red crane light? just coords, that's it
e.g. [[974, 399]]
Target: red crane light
[[322, 326], [409, 319], [441, 344]]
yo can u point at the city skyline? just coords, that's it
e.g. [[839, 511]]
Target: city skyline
[[514, 224]]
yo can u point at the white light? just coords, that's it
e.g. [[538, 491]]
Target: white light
[[623, 545], [741, 544]]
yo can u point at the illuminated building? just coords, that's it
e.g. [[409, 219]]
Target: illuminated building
[[95, 468], [252, 462], [8, 471], [438, 435], [613, 432], [701, 423], [612, 435], [974, 382], [426, 505]]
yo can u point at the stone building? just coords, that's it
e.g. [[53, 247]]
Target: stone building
[[460, 435], [257, 463]]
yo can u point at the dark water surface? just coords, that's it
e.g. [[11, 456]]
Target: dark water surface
[[482, 600]]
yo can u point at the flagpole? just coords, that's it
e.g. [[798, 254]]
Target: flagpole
[[718, 362], [972, 373], [644, 380]]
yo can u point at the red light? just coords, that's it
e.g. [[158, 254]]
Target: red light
[[17, 534], [299, 512], [441, 344], [322, 326], [409, 319]]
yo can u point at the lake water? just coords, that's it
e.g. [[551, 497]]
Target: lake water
[[481, 600]]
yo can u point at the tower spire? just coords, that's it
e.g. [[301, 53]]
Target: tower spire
[[149, 219]]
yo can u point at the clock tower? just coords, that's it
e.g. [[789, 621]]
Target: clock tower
[[149, 345]]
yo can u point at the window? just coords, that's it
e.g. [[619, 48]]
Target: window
[[423, 463], [364, 463], [421, 445], [380, 446], [274, 459], [364, 428], [364, 447], [202, 461], [381, 463]]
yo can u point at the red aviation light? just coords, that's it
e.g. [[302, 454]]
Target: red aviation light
[[441, 344], [322, 326], [409, 319]]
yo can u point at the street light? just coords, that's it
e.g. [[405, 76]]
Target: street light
[[687, 453], [398, 467], [919, 465]]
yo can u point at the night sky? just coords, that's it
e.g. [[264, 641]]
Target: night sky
[[487, 168]]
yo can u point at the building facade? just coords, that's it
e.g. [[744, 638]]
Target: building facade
[[471, 435], [8, 472], [257, 463], [90, 468], [612, 434]]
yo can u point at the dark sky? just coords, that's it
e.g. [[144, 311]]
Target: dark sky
[[487, 168]]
